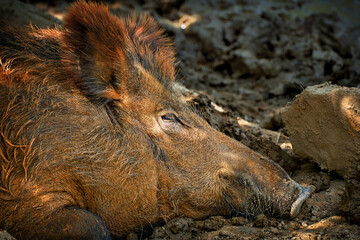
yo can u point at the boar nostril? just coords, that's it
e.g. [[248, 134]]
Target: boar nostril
[[305, 192]]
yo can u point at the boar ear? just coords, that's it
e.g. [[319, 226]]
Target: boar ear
[[105, 49], [92, 35]]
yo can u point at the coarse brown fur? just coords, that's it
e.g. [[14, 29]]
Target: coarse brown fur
[[93, 134]]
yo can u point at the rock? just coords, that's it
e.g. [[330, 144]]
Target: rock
[[178, 225], [4, 235], [234, 231], [351, 201], [177, 228], [293, 225], [324, 126], [261, 221], [214, 223], [323, 228], [238, 221]]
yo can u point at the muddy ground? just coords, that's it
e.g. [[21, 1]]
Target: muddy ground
[[243, 61]]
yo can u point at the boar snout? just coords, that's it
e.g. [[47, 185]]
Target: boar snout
[[259, 185]]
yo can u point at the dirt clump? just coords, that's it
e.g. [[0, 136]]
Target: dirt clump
[[324, 125], [351, 201], [4, 235]]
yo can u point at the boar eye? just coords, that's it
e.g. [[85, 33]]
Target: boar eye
[[171, 120], [170, 117]]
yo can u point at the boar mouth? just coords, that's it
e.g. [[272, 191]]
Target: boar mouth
[[268, 203]]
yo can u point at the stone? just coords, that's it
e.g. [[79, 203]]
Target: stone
[[4, 235], [324, 125], [261, 221]]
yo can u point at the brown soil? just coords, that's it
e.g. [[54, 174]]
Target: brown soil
[[244, 60]]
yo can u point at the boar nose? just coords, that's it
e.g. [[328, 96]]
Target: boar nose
[[305, 192], [267, 177]]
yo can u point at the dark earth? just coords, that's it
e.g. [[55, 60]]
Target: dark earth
[[241, 62]]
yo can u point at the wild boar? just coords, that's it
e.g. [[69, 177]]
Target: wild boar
[[96, 142]]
